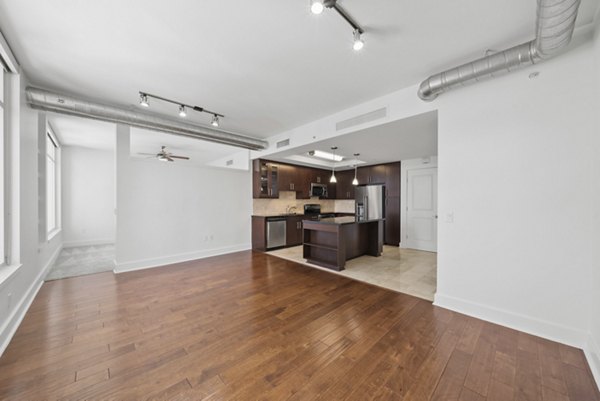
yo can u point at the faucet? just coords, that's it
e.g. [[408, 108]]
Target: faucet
[[290, 209]]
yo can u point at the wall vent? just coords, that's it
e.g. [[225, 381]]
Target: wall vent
[[363, 118], [283, 143], [229, 162]]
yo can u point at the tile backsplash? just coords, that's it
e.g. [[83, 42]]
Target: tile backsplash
[[261, 207]]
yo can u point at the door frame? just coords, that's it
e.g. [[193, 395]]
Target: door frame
[[405, 166]]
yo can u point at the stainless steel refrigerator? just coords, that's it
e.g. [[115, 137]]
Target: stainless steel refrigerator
[[370, 202]]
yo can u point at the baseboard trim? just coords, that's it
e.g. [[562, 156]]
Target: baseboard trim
[[592, 354], [182, 257], [13, 322], [524, 323], [72, 244]]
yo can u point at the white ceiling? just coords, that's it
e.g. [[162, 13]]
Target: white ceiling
[[268, 65], [409, 138], [74, 131]]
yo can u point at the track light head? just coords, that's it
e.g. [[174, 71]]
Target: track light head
[[144, 100], [358, 42], [316, 6], [215, 121], [182, 112]]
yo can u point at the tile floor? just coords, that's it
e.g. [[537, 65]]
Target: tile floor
[[404, 270], [82, 260]]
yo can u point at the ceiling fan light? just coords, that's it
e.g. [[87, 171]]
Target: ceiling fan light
[[215, 121], [182, 112], [358, 42], [144, 100], [316, 6]]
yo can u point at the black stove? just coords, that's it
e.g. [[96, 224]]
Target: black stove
[[312, 211]]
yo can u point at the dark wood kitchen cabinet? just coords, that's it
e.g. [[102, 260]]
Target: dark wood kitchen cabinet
[[265, 176], [371, 174], [392, 179], [392, 221], [293, 233], [344, 188]]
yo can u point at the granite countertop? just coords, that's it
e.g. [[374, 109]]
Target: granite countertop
[[344, 220], [278, 215]]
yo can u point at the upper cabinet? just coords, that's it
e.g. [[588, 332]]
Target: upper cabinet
[[392, 179], [269, 178], [265, 179], [344, 188], [371, 174]]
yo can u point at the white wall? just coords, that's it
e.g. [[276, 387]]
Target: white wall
[[88, 196], [593, 347], [515, 169], [170, 212], [36, 257]]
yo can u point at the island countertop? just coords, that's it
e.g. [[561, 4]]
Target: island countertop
[[344, 220]]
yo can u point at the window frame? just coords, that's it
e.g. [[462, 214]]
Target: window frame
[[50, 136]]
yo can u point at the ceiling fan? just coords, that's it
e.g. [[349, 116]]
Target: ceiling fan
[[165, 156]]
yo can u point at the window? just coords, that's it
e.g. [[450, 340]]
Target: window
[[2, 167], [52, 185]]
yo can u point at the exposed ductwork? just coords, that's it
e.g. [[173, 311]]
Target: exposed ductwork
[[554, 29], [49, 101]]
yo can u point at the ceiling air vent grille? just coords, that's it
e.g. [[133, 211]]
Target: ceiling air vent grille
[[361, 119], [283, 143]]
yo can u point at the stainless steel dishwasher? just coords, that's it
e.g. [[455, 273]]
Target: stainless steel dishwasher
[[276, 227]]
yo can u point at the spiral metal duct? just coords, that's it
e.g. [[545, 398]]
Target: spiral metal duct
[[554, 28], [49, 101]]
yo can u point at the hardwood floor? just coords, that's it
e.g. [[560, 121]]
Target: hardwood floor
[[249, 326]]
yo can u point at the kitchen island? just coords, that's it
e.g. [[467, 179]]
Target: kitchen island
[[330, 242]]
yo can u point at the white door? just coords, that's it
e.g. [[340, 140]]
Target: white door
[[421, 210]]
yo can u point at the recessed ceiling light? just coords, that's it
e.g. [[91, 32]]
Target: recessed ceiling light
[[326, 155], [316, 6]]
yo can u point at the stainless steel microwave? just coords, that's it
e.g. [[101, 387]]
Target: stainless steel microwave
[[319, 190]]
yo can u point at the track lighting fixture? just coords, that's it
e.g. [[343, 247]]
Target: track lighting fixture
[[182, 107], [358, 42], [333, 179], [317, 7], [355, 180], [144, 100]]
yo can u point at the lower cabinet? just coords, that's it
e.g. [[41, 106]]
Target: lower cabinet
[[392, 221], [293, 235]]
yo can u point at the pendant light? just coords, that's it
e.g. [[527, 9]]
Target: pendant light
[[333, 179], [355, 180]]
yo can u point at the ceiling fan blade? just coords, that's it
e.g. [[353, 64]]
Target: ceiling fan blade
[[169, 159], [147, 154], [179, 157]]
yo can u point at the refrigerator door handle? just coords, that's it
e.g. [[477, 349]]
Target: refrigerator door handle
[[366, 208]]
